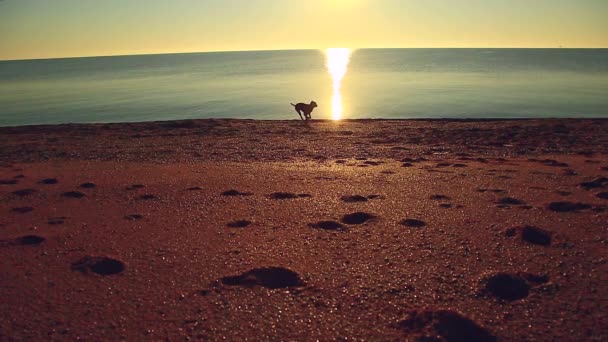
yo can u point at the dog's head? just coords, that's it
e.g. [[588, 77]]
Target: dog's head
[[313, 104]]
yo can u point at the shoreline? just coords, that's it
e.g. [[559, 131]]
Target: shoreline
[[567, 119], [239, 140]]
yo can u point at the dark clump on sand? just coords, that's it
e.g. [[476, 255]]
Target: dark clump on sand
[[147, 197], [506, 286], [357, 218], [8, 181], [29, 240], [99, 265], [282, 195], [552, 162], [233, 193], [24, 192], [134, 217], [413, 223], [443, 325], [239, 224], [354, 199], [531, 234], [73, 194], [510, 201], [88, 185], [135, 187], [563, 207], [596, 183], [269, 277], [22, 210], [49, 181], [327, 225], [602, 195]]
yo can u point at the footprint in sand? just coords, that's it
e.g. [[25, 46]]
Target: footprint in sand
[[56, 220], [27, 240], [30, 240], [135, 187], [239, 224], [440, 197], [73, 194], [282, 196], [99, 265], [147, 197], [596, 183], [373, 163], [195, 188], [327, 225], [413, 223], [551, 162], [357, 218], [510, 286], [563, 207], [268, 277], [22, 210], [442, 325], [233, 193], [508, 201], [602, 195], [24, 192], [354, 199], [531, 234]]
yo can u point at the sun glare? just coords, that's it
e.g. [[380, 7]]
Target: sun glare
[[337, 64]]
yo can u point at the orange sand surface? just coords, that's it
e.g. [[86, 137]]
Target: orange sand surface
[[246, 230]]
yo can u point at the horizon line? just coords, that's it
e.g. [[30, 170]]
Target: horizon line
[[302, 49]]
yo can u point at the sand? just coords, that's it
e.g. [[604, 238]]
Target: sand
[[278, 230]]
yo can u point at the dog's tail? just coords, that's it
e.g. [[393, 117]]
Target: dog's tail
[[292, 104]]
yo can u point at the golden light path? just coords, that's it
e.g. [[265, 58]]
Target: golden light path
[[337, 64]]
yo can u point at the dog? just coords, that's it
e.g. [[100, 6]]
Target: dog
[[306, 109]]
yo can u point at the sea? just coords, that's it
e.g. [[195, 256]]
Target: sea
[[346, 84]]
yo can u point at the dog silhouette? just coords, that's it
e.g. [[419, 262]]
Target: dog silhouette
[[306, 109]]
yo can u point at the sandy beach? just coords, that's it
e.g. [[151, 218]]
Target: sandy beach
[[442, 230]]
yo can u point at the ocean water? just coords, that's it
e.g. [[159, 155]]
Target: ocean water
[[377, 83]]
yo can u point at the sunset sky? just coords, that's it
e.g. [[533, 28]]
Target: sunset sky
[[61, 28]]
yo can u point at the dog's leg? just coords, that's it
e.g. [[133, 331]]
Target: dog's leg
[[300, 114]]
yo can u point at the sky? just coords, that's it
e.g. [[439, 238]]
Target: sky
[[32, 29]]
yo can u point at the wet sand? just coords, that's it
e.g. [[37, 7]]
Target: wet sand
[[247, 230]]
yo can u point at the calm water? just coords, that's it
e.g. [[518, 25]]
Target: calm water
[[385, 83]]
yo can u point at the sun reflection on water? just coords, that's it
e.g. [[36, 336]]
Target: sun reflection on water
[[337, 64]]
